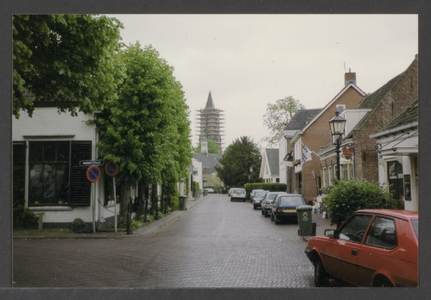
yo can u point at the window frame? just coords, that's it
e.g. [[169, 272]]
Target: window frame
[[79, 185], [378, 239]]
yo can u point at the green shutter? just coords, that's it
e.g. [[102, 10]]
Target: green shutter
[[18, 176], [80, 186]]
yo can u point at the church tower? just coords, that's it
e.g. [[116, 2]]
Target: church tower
[[210, 122]]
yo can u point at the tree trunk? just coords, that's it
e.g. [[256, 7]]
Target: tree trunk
[[162, 200], [141, 197], [125, 198], [155, 205]]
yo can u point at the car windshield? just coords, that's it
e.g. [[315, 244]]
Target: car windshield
[[415, 224], [290, 201], [239, 192]]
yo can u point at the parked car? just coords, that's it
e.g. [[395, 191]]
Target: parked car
[[283, 207], [210, 190], [258, 198], [238, 193], [267, 201], [372, 248], [253, 192]]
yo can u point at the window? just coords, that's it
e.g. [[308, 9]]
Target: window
[[382, 233], [329, 175], [341, 107], [355, 228], [291, 201], [324, 177], [55, 177], [395, 178], [49, 173]]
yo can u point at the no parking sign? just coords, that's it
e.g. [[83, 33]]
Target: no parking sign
[[93, 173], [111, 168]]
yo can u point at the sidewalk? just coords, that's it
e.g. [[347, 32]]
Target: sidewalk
[[145, 229]]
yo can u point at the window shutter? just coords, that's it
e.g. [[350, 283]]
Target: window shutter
[[80, 186], [18, 176]]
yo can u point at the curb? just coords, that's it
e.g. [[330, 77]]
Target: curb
[[177, 215]]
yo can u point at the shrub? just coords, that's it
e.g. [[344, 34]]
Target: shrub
[[347, 196], [123, 223], [24, 218]]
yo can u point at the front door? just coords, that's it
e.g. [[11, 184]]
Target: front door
[[341, 256]]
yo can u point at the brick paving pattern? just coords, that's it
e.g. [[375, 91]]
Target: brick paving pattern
[[217, 243]]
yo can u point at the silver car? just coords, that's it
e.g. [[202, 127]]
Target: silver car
[[267, 201], [238, 193], [258, 198]]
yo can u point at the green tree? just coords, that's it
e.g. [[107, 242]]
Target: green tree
[[234, 168], [66, 60], [278, 115], [347, 196], [213, 147], [146, 131]]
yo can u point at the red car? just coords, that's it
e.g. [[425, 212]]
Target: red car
[[374, 247]]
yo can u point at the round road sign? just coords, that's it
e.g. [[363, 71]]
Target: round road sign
[[93, 173], [111, 168]]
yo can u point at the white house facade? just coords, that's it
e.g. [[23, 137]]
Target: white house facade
[[47, 150]]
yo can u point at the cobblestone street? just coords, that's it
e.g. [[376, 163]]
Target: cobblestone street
[[216, 244]]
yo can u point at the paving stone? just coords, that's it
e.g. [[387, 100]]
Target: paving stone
[[217, 243]]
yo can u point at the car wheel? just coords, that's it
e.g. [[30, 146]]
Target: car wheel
[[320, 275], [272, 217], [276, 220], [262, 212], [255, 207], [265, 213], [382, 282]]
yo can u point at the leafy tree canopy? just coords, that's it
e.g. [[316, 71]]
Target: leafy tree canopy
[[147, 130], [234, 168], [64, 60], [278, 115], [213, 147]]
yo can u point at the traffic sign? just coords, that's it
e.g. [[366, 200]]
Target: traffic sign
[[93, 173], [96, 162], [111, 168]]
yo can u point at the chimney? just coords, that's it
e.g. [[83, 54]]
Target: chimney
[[350, 78]]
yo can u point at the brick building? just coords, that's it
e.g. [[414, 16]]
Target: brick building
[[373, 114], [317, 133]]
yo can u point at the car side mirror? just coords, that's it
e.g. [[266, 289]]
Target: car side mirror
[[332, 233]]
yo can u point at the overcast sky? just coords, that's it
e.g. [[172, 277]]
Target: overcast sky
[[248, 61]]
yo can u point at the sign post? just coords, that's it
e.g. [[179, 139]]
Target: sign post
[[112, 169], [93, 175]]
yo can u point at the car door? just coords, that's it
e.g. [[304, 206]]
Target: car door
[[340, 256]]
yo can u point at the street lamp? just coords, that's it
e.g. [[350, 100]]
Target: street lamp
[[337, 125], [251, 181]]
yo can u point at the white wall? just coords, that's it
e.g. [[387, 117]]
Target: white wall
[[199, 176], [282, 152], [48, 124], [47, 121]]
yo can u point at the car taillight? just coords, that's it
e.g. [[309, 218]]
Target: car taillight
[[279, 210]]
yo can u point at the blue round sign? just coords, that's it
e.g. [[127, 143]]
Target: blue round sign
[[93, 173], [111, 168]]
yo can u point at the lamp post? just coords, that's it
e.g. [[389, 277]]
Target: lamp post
[[251, 181], [337, 126]]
